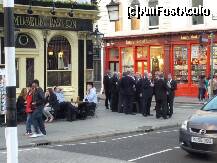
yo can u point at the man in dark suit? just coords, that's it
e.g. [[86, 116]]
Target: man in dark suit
[[121, 95], [172, 85], [139, 92], [107, 89], [114, 92], [128, 87], [148, 94], [160, 89]]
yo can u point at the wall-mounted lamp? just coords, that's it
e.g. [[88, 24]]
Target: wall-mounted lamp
[[50, 53], [52, 11], [29, 10]]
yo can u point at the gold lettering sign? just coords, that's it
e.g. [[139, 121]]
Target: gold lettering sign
[[139, 41], [191, 37]]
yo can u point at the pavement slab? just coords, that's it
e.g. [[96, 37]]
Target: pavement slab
[[105, 123]]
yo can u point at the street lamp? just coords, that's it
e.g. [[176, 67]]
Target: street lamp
[[97, 37], [113, 10]]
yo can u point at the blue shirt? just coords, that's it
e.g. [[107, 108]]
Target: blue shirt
[[91, 96], [60, 96]]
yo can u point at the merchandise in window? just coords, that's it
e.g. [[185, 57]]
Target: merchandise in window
[[181, 64], [127, 59], [142, 52], [198, 62]]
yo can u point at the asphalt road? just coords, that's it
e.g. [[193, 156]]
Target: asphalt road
[[153, 147]]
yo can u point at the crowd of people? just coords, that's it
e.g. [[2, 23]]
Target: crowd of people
[[122, 94], [37, 104], [204, 87]]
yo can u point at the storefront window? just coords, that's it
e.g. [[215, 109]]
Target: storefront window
[[127, 59], [215, 59], [198, 62], [142, 52], [114, 55], [157, 62], [181, 64], [59, 62]]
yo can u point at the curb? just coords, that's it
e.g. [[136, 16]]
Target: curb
[[96, 136], [177, 102]]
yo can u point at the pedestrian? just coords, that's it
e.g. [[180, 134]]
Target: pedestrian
[[139, 92], [148, 94], [38, 106], [29, 111], [128, 87], [21, 104], [160, 90], [172, 85], [215, 85], [114, 92], [156, 77], [121, 94], [51, 103], [201, 88], [107, 88]]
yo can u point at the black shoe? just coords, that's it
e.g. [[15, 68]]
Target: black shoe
[[132, 113], [165, 118], [157, 117], [150, 114], [145, 115]]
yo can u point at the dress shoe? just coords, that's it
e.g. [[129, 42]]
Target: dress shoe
[[145, 115], [150, 114], [132, 113]]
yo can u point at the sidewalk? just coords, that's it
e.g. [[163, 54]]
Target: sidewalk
[[179, 99], [105, 123]]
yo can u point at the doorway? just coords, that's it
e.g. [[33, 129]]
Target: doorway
[[157, 61], [114, 66], [141, 66]]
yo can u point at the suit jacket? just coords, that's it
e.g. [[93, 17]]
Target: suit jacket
[[147, 89], [161, 89], [128, 86], [107, 83], [172, 89], [114, 85]]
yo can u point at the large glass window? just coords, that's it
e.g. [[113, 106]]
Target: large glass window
[[198, 62], [142, 52], [29, 70], [153, 20], [127, 59], [214, 58], [114, 54], [59, 62], [157, 62], [181, 64], [197, 19]]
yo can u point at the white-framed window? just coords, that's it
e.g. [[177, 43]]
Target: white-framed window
[[59, 66], [197, 19], [153, 20]]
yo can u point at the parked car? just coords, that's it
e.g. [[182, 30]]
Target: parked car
[[198, 134]]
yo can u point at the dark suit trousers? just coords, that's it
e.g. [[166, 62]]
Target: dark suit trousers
[[161, 108], [114, 102], [146, 106], [107, 98], [170, 101], [128, 104], [120, 103]]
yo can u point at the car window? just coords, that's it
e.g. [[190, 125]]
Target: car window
[[211, 105]]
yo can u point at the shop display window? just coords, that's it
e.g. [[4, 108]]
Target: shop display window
[[215, 59], [181, 64], [198, 62], [157, 62], [114, 55], [127, 59], [142, 52]]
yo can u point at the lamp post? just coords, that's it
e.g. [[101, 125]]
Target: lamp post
[[11, 115], [113, 11], [97, 38]]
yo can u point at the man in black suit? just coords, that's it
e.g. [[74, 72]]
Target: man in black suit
[[121, 95], [128, 87], [139, 92], [107, 89], [172, 85], [148, 94], [160, 89], [114, 92]]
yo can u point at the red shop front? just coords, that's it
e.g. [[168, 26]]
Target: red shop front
[[177, 53]]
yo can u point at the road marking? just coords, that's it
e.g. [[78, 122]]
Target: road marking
[[166, 131], [83, 143], [177, 147], [158, 132], [152, 154], [59, 145], [22, 150], [93, 142], [102, 141]]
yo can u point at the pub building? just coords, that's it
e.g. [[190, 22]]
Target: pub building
[[52, 44], [180, 54]]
